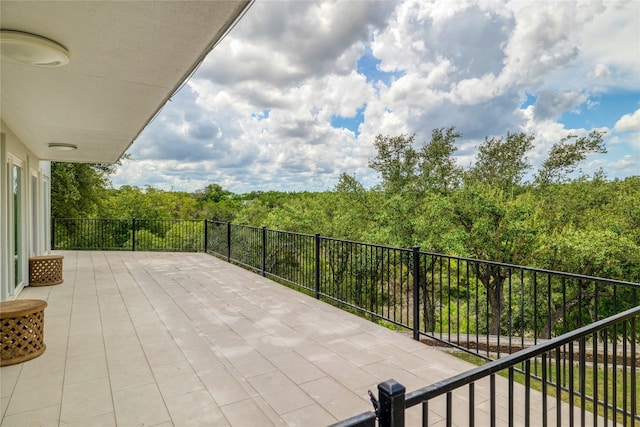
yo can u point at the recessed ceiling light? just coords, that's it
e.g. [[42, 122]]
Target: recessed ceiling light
[[61, 146], [31, 49]]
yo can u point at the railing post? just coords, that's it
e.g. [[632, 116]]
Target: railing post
[[133, 234], [391, 397], [206, 235], [228, 241], [264, 250], [317, 266], [416, 293], [53, 233]]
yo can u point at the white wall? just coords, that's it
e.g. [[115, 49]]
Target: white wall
[[34, 210]]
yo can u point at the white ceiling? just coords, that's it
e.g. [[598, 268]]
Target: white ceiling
[[126, 59]]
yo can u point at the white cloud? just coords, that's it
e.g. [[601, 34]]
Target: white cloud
[[629, 122], [257, 114]]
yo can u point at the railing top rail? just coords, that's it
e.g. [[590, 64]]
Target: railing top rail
[[293, 233], [537, 270], [452, 383], [375, 245], [126, 219]]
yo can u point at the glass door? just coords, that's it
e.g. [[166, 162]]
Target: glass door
[[35, 224], [17, 219]]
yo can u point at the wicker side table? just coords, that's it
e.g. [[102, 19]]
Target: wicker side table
[[22, 336], [45, 270]]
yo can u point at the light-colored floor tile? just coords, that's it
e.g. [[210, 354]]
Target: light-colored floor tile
[[85, 400], [224, 387], [48, 362], [195, 409], [339, 401], [160, 353], [9, 375], [43, 417], [246, 413], [104, 420], [128, 373], [36, 393], [282, 394], [252, 365], [179, 384], [313, 415], [83, 343], [85, 367], [140, 406], [172, 369], [296, 367], [345, 372]]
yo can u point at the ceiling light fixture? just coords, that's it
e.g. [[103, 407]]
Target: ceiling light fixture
[[31, 49], [61, 146]]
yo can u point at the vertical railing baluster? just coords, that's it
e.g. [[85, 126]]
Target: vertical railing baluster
[[549, 305], [544, 389], [133, 234], [571, 385], [625, 390], [582, 352], [317, 265], [558, 388], [614, 371], [596, 363], [511, 396], [492, 399], [605, 380], [449, 415], [634, 372], [472, 404], [527, 392], [416, 293], [425, 413], [228, 241]]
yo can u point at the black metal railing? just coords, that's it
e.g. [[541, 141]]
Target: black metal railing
[[486, 308], [588, 376], [129, 234], [482, 307]]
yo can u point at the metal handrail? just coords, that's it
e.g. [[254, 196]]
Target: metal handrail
[[473, 375]]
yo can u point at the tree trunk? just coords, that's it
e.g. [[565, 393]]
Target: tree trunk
[[492, 279]]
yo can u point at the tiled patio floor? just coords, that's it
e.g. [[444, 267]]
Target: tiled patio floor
[[160, 339]]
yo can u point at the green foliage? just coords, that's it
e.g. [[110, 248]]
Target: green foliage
[[77, 189], [565, 156], [132, 202], [501, 162], [396, 162], [438, 171]]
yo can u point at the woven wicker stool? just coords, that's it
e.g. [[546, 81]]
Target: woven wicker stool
[[45, 270], [22, 330]]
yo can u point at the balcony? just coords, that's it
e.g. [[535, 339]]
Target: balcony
[[166, 338], [139, 338]]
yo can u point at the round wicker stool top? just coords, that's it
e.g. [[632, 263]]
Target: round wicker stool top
[[22, 335], [21, 307]]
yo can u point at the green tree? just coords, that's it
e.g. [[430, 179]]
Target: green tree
[[502, 162], [77, 189], [565, 156], [132, 202], [213, 193], [438, 171], [396, 162]]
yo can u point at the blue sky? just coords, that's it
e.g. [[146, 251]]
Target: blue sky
[[297, 91]]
